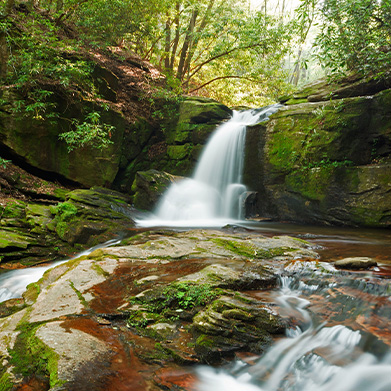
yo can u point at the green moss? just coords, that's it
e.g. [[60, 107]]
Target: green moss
[[312, 183], [32, 292], [100, 270], [5, 382], [79, 294], [141, 319], [177, 295], [179, 152], [205, 341], [295, 101], [249, 251], [31, 356], [65, 212], [12, 239], [13, 209]]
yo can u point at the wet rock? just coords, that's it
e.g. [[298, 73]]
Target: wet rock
[[359, 263], [164, 331], [88, 318], [324, 162], [256, 277], [33, 233], [229, 324], [148, 186]]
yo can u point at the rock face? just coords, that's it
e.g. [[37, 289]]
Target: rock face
[[173, 147], [326, 162], [110, 320], [35, 141], [35, 232], [148, 186], [170, 144]]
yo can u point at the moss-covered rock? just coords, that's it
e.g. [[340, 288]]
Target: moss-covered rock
[[148, 186], [33, 233], [233, 323], [36, 140], [173, 146], [326, 162]]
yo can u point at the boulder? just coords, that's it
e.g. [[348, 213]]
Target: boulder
[[357, 263], [174, 144], [148, 187], [32, 233], [35, 141], [324, 162]]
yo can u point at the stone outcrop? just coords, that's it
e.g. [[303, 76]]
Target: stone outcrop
[[325, 162], [148, 187], [175, 145], [115, 316], [164, 134], [34, 232]]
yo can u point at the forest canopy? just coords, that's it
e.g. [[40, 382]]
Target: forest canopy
[[237, 51]]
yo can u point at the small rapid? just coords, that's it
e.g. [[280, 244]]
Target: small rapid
[[335, 341], [13, 283], [214, 195]]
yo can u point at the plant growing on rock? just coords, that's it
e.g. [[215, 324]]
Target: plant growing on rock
[[92, 132]]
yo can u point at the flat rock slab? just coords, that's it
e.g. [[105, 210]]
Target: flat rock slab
[[357, 263], [69, 293], [73, 309], [75, 348], [211, 244]]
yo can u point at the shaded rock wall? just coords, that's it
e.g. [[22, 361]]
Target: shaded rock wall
[[326, 162], [171, 145]]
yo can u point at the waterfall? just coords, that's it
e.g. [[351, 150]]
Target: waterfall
[[214, 194]]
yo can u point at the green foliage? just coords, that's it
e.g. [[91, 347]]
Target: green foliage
[[178, 295], [189, 295], [92, 132], [355, 36], [4, 162]]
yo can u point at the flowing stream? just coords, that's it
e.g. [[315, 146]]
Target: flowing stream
[[214, 195], [13, 283], [339, 339]]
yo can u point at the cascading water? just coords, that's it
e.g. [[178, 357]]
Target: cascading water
[[14, 282], [335, 352], [213, 196]]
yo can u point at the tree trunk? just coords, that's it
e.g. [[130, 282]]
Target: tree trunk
[[194, 43], [167, 43], [3, 55], [187, 42], [9, 6], [59, 5], [177, 35]]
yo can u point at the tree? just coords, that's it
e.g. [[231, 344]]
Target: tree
[[356, 36]]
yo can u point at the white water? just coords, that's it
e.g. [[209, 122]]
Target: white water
[[14, 282], [314, 357], [214, 195]]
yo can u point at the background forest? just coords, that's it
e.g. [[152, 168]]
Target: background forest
[[236, 51]]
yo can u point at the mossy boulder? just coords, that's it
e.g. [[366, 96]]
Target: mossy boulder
[[233, 323], [32, 233], [36, 141], [175, 145], [148, 187], [325, 162]]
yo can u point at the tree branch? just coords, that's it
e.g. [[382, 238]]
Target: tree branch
[[226, 53], [220, 78]]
